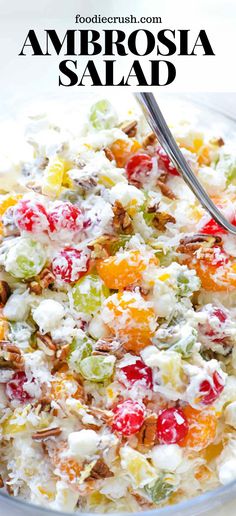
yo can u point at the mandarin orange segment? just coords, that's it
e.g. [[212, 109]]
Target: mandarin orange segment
[[202, 428], [123, 149], [9, 200], [65, 385], [199, 148], [193, 146], [211, 277], [203, 473], [3, 329], [5, 203], [131, 319], [212, 451], [204, 155], [118, 272], [216, 277], [3, 326]]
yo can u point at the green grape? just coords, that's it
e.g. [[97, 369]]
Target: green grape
[[81, 347], [103, 115], [118, 243], [165, 256], [231, 175], [183, 284], [187, 282], [148, 217], [25, 258], [97, 368], [162, 488], [82, 344], [227, 167], [89, 293], [186, 344]]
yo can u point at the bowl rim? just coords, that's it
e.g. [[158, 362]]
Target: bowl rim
[[194, 503]]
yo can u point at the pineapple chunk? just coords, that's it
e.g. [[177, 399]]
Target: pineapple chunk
[[45, 492], [169, 373], [137, 466], [53, 177], [96, 498], [170, 368], [9, 428]]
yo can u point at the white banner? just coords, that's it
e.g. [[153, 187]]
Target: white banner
[[169, 32]]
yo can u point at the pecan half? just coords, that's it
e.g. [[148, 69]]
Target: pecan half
[[59, 366], [9, 488], [44, 405], [98, 248], [121, 221], [129, 128], [102, 415], [41, 435], [42, 281], [101, 240], [45, 343], [147, 432], [217, 141], [194, 242], [109, 154], [100, 470], [101, 246], [35, 288], [143, 502], [10, 355], [46, 277], [163, 177], [105, 346], [89, 398], [43, 163], [5, 292], [86, 183], [31, 185], [165, 190], [63, 353], [149, 140], [1, 482], [160, 218]]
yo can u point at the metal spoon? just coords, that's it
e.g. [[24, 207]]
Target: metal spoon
[[158, 124]]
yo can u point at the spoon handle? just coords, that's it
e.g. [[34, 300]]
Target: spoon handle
[[158, 124]]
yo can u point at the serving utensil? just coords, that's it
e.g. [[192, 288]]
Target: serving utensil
[[159, 126]]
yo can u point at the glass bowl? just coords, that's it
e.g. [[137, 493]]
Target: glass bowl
[[174, 106]]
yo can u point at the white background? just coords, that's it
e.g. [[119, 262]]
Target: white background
[[38, 75]]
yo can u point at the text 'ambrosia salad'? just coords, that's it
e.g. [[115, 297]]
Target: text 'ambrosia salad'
[[118, 319]]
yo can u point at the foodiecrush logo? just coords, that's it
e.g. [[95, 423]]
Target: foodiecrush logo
[[114, 57]]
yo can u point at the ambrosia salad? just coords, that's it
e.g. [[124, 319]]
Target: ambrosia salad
[[118, 318]]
